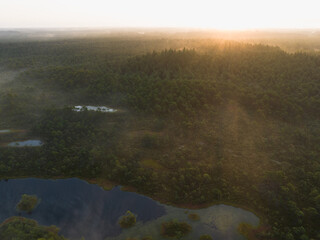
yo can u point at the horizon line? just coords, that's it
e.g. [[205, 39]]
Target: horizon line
[[161, 28]]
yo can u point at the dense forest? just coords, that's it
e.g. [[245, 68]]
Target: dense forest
[[198, 122]]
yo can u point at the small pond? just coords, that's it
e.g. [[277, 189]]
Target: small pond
[[93, 108], [82, 209], [27, 143]]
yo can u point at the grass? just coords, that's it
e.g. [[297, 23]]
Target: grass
[[150, 163], [253, 233]]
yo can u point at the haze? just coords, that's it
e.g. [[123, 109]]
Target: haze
[[227, 14]]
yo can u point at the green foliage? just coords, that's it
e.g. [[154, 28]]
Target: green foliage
[[149, 141], [18, 228], [28, 203], [205, 237], [128, 220], [175, 229], [245, 229]]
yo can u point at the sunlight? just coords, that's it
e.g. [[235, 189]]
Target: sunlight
[[228, 14]]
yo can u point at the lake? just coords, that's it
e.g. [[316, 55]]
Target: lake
[[82, 209]]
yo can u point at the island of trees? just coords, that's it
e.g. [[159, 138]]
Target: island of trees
[[128, 220], [27, 203]]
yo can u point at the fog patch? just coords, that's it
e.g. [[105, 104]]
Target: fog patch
[[7, 76], [5, 131]]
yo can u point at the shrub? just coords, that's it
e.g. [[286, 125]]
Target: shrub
[[175, 229], [27, 203], [127, 220]]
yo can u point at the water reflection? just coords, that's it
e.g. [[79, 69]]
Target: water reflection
[[27, 143], [76, 207], [82, 209]]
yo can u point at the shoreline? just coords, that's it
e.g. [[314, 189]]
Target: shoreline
[[108, 185]]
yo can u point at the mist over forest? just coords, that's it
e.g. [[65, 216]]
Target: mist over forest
[[199, 118]]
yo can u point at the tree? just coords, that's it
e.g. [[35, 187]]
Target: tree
[[28, 203], [128, 220]]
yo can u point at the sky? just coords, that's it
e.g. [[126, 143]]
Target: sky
[[207, 14]]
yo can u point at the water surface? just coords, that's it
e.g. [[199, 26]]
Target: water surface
[[82, 209], [76, 207], [219, 221], [27, 143]]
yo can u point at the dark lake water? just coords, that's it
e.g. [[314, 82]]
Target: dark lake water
[[82, 209]]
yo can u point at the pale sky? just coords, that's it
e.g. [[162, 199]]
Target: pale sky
[[222, 14]]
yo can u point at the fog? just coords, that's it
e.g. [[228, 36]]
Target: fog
[[65, 33], [202, 117], [230, 14]]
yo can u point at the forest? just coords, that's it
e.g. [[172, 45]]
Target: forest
[[199, 121]]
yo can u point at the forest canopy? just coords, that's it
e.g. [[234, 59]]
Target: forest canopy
[[198, 121]]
